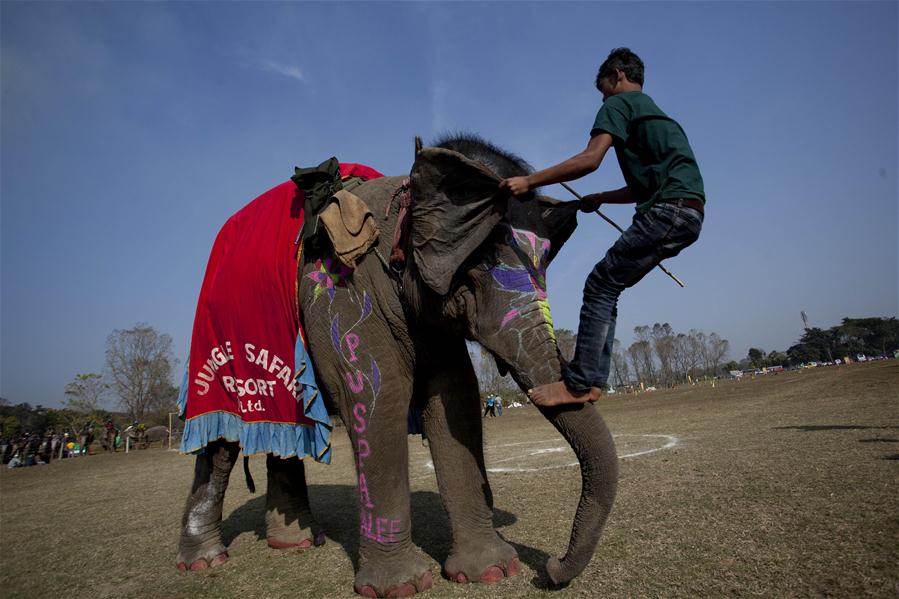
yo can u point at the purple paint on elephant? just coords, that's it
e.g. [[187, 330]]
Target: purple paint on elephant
[[513, 279], [335, 332], [375, 377], [366, 306]]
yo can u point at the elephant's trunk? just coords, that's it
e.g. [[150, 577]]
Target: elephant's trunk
[[586, 432], [532, 356]]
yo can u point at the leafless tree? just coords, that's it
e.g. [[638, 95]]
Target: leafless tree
[[679, 358], [693, 353], [663, 343], [620, 367], [489, 379], [659, 355], [641, 355], [717, 348], [566, 340], [140, 365]]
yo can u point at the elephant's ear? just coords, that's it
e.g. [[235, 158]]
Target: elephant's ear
[[456, 204], [548, 218]]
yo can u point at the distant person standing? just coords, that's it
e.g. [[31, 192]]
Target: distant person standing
[[662, 179], [110, 435], [489, 407], [498, 402]]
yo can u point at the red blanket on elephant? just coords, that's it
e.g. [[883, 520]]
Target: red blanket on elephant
[[249, 378], [241, 353]]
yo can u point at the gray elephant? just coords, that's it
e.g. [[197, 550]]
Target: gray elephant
[[133, 436], [156, 433], [456, 260]]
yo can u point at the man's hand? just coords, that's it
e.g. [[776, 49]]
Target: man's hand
[[516, 185], [590, 202]]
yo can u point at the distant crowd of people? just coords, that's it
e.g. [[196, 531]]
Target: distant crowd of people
[[36, 448]]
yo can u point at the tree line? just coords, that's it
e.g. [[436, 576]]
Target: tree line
[[659, 356], [874, 336], [663, 357], [137, 379]]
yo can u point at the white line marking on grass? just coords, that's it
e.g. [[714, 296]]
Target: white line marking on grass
[[670, 441]]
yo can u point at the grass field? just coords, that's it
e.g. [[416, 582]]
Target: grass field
[[782, 486]]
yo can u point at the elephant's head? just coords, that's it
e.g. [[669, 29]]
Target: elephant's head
[[485, 256]]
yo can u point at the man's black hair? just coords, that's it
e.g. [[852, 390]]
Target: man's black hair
[[621, 59]]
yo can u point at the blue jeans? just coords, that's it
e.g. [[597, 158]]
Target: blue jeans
[[659, 233]]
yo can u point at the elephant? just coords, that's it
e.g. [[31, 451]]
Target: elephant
[[133, 436], [156, 433], [466, 263], [137, 437]]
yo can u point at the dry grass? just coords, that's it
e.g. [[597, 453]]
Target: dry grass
[[782, 486]]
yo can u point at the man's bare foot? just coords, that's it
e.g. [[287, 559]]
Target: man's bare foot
[[555, 394]]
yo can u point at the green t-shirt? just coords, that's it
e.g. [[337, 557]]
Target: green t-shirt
[[652, 149]]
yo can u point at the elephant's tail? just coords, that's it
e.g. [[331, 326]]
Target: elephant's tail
[[246, 472]]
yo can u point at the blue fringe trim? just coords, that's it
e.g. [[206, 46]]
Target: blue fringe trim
[[280, 439]]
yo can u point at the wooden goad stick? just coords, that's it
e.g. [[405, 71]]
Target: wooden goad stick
[[620, 230]]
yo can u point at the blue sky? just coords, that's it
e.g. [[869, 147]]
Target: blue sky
[[131, 131]]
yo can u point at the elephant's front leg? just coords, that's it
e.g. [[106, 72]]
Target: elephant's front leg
[[201, 544], [288, 518], [389, 564], [452, 422]]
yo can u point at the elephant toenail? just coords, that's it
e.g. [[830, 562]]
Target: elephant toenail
[[514, 567], [200, 564], [219, 559], [426, 581], [367, 591], [492, 574], [404, 590]]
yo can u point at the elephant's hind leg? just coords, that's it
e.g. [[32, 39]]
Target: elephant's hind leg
[[288, 519], [453, 425], [200, 546]]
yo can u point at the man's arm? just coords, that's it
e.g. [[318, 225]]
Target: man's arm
[[574, 168], [593, 201]]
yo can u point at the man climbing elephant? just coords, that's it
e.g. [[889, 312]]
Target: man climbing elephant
[[661, 177]]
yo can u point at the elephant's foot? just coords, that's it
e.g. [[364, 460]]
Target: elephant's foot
[[400, 575], [487, 562], [291, 532], [289, 523], [200, 556], [293, 538]]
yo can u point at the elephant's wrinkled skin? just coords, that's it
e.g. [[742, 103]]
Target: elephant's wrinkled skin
[[476, 271], [382, 338], [288, 519]]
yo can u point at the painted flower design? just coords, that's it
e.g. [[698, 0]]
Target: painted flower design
[[328, 274]]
